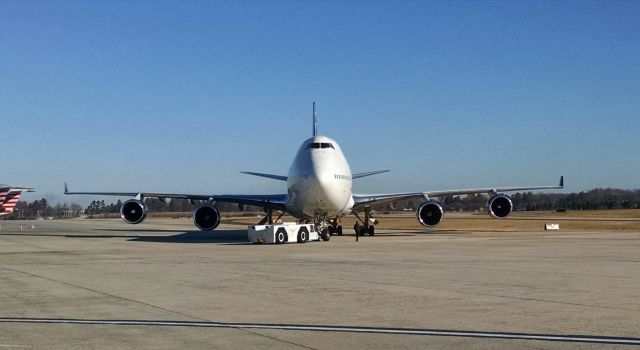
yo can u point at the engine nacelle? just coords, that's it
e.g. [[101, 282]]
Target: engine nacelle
[[133, 211], [499, 206], [430, 213], [206, 217]]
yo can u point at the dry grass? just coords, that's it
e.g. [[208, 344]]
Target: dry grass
[[597, 220], [596, 214], [587, 220]]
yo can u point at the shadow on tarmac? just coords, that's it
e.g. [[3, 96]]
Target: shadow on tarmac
[[134, 230], [216, 236]]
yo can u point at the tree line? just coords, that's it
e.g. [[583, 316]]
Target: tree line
[[41, 208], [599, 198]]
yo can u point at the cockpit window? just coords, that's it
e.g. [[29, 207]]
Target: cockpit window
[[320, 145]]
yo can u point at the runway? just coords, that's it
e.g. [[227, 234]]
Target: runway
[[105, 284]]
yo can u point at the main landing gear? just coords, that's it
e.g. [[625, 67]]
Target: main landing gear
[[335, 229], [362, 230], [363, 227]]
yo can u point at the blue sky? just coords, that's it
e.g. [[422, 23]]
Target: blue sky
[[181, 96]]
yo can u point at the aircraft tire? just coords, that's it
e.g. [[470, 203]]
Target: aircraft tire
[[372, 230], [339, 230]]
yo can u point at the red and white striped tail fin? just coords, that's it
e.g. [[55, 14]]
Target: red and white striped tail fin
[[3, 196], [8, 201], [4, 191]]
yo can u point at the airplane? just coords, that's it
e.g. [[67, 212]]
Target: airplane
[[319, 190], [9, 197]]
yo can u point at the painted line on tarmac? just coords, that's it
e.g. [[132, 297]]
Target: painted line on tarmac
[[343, 329]]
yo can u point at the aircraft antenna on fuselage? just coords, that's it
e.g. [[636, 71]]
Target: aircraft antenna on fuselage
[[315, 122]]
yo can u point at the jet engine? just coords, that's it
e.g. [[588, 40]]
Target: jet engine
[[430, 213], [206, 217], [133, 211], [499, 206]]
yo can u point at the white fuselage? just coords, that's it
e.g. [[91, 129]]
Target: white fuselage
[[319, 181]]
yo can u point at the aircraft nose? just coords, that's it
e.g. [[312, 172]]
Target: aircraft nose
[[325, 181], [327, 189]]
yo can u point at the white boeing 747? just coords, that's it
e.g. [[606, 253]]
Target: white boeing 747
[[319, 186]]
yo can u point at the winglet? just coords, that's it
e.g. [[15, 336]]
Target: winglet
[[561, 181], [315, 122], [66, 188]]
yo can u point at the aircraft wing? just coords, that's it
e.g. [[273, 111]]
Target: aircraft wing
[[273, 201], [363, 200], [268, 176], [369, 173]]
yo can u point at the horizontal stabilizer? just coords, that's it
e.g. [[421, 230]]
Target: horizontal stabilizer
[[16, 188], [269, 176], [358, 175]]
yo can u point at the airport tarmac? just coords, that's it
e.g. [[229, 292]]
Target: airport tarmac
[[77, 284]]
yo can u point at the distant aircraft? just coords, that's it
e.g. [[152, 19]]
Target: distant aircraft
[[9, 197], [318, 190]]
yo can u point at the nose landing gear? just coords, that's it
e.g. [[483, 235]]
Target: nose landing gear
[[329, 230], [321, 225], [325, 228]]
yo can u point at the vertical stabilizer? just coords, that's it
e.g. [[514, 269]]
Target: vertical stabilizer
[[315, 122]]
